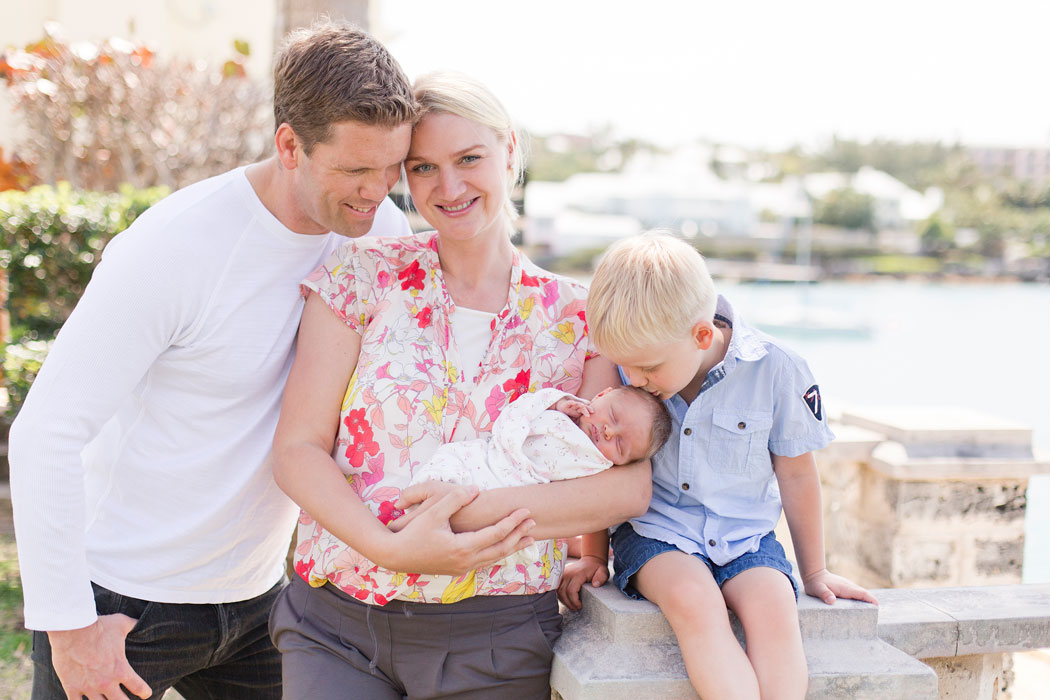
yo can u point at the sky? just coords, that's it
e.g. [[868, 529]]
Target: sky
[[755, 73]]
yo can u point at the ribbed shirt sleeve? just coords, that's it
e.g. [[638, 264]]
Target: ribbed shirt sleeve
[[127, 316]]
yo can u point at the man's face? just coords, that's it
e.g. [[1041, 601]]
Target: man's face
[[344, 179], [619, 425]]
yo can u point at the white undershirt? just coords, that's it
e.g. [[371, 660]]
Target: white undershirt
[[472, 330]]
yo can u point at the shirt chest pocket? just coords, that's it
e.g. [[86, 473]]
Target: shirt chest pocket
[[739, 440]]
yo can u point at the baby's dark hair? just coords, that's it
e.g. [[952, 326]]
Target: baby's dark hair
[[661, 430]]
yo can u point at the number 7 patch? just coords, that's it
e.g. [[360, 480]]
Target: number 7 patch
[[812, 399]]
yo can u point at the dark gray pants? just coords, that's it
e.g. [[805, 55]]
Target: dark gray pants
[[482, 648]]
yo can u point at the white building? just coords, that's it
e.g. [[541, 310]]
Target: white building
[[896, 204]]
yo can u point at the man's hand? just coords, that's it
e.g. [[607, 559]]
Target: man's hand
[[573, 407], [427, 544], [589, 568], [825, 585], [91, 661]]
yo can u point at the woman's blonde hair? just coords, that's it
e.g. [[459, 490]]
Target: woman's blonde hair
[[455, 93], [648, 290]]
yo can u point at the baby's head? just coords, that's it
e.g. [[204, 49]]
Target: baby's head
[[650, 298], [627, 424]]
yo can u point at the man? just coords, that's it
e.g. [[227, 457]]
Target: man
[[151, 534]]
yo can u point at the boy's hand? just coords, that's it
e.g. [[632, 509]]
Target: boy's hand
[[573, 407], [589, 568], [825, 585]]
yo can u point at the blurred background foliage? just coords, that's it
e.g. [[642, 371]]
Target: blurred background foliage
[[109, 129], [101, 115]]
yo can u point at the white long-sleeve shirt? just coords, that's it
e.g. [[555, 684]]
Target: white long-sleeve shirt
[[140, 459]]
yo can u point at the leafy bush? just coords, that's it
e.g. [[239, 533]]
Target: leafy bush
[[99, 115], [50, 241], [21, 363], [15, 174]]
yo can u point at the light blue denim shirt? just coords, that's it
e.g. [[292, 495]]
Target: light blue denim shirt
[[714, 491]]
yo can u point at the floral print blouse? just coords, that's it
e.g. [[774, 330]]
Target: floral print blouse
[[407, 397]]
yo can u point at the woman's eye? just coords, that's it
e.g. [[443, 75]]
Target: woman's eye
[[422, 168], [469, 159]]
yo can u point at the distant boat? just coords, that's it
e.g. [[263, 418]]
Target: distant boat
[[814, 322], [805, 320]]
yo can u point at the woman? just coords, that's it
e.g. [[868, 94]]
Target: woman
[[406, 344]]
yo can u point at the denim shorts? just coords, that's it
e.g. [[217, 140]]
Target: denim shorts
[[631, 551]]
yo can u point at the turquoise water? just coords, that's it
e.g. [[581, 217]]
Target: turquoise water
[[981, 346]]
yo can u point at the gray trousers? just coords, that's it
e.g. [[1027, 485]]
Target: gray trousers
[[482, 648]]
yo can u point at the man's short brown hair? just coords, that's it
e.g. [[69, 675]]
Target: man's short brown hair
[[334, 72]]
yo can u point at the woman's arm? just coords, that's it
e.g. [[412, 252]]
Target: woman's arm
[[326, 356], [561, 508]]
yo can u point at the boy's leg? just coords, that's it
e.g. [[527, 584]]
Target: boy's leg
[[684, 588], [764, 601]]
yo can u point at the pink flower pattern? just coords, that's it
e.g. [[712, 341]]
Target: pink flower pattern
[[407, 397]]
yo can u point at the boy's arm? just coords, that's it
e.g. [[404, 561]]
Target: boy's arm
[[799, 484], [592, 566]]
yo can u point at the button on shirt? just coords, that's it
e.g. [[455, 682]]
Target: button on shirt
[[714, 491]]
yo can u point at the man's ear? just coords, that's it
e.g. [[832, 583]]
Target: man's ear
[[703, 333], [288, 146]]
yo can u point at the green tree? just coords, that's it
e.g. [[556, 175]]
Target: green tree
[[937, 236], [846, 208]]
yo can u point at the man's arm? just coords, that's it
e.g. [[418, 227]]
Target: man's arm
[[799, 484], [122, 323], [124, 320]]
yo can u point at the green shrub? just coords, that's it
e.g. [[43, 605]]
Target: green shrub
[[21, 363], [50, 241]]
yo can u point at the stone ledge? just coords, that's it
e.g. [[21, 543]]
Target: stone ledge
[[927, 431], [619, 649], [620, 619], [893, 460], [942, 622]]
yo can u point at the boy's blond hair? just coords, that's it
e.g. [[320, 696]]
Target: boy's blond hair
[[648, 290]]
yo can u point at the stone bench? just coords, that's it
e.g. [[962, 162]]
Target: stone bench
[[617, 648]]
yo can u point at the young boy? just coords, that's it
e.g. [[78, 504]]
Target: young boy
[[746, 416]]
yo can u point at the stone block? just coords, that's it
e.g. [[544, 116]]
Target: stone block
[[945, 431], [966, 621], [912, 623], [615, 650], [993, 501], [918, 561], [978, 677], [999, 557]]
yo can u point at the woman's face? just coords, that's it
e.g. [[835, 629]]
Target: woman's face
[[457, 173]]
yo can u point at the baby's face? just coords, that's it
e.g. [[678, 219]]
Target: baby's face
[[619, 426]]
